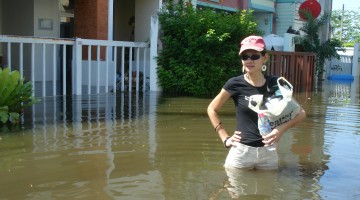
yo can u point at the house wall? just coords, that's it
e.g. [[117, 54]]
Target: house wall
[[123, 11], [228, 5], [264, 22], [263, 14], [286, 13], [46, 10], [262, 5], [143, 12], [18, 20]]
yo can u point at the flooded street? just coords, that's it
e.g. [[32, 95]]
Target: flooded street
[[151, 147]]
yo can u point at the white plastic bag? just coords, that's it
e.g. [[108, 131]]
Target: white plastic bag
[[278, 107]]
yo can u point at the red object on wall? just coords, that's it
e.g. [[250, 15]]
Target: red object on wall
[[311, 6]]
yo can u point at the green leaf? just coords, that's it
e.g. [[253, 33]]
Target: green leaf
[[4, 114]]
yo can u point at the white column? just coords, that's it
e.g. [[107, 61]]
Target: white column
[[110, 28], [355, 61], [77, 69], [110, 19], [154, 31]]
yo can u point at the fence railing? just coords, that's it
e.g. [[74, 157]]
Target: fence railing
[[297, 67], [77, 66]]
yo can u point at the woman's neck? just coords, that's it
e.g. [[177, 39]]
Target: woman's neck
[[255, 79]]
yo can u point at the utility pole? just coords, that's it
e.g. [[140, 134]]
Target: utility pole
[[341, 22]]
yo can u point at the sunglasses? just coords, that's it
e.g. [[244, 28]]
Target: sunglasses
[[252, 57]]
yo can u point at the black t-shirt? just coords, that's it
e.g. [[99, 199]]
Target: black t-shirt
[[246, 119]]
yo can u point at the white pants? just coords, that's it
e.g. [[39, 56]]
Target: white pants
[[243, 156]]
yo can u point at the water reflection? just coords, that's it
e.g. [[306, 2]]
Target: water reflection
[[254, 184], [145, 146]]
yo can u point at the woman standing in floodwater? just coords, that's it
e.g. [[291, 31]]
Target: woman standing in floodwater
[[248, 147]]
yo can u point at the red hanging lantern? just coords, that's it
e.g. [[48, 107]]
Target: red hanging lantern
[[311, 6]]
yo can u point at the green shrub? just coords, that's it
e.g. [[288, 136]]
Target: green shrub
[[349, 44], [200, 49], [14, 96]]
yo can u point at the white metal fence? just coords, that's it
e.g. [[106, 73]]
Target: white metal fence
[[77, 66]]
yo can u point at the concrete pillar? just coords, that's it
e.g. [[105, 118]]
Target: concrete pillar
[[77, 69], [355, 61], [110, 19], [154, 32]]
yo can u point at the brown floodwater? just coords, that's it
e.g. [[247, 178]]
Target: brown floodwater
[[146, 146]]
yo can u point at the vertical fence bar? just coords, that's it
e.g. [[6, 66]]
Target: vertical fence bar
[[115, 69], [73, 67], [144, 70], [64, 69], [33, 68], [107, 69], [21, 60], [137, 68], [98, 71], [89, 69], [122, 68], [130, 69], [54, 70], [43, 71], [9, 55]]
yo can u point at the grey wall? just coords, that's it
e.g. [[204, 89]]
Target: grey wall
[[18, 17], [123, 10]]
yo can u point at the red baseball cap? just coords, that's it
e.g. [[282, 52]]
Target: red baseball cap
[[252, 42]]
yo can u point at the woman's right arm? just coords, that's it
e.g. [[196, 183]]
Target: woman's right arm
[[212, 112]]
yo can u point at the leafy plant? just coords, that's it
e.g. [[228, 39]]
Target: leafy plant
[[200, 48], [311, 41], [14, 96]]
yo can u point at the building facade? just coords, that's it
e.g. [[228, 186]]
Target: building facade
[[123, 20]]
